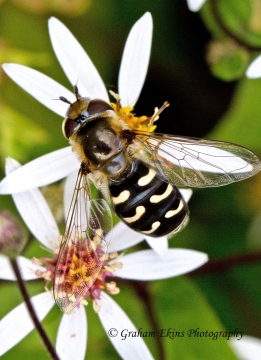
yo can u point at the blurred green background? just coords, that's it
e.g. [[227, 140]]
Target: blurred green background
[[197, 63]]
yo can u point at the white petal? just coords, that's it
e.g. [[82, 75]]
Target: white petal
[[11, 165], [17, 323], [26, 267], [254, 69], [35, 212], [41, 87], [135, 60], [160, 244], [38, 217], [41, 171], [71, 339], [69, 186], [123, 237], [116, 323], [76, 64], [148, 265], [186, 193], [195, 5], [247, 348]]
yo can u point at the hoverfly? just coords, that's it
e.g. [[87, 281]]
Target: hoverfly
[[138, 173]]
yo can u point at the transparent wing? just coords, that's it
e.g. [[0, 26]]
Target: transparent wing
[[197, 162], [83, 247]]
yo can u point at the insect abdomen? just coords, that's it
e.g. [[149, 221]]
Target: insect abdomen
[[147, 203]]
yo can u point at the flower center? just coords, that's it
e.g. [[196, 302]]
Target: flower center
[[79, 273], [140, 123]]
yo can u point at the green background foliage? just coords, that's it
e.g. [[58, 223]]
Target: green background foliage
[[197, 66]]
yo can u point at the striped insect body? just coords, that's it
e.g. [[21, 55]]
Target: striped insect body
[[148, 203], [139, 172]]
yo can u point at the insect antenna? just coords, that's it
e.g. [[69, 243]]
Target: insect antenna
[[62, 98], [76, 91]]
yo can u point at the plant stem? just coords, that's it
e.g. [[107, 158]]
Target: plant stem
[[141, 289], [227, 263], [32, 313]]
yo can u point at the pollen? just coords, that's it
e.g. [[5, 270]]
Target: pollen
[[141, 123], [112, 288]]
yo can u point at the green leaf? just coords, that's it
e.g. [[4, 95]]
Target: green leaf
[[242, 123], [190, 323]]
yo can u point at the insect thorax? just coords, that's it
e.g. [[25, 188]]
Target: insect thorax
[[101, 147]]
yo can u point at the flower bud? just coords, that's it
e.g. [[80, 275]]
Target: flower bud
[[12, 238]]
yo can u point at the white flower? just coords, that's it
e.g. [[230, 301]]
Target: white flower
[[254, 69], [141, 265], [195, 5], [79, 68], [247, 348]]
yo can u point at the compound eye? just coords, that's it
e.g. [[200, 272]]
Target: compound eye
[[98, 106], [69, 126]]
